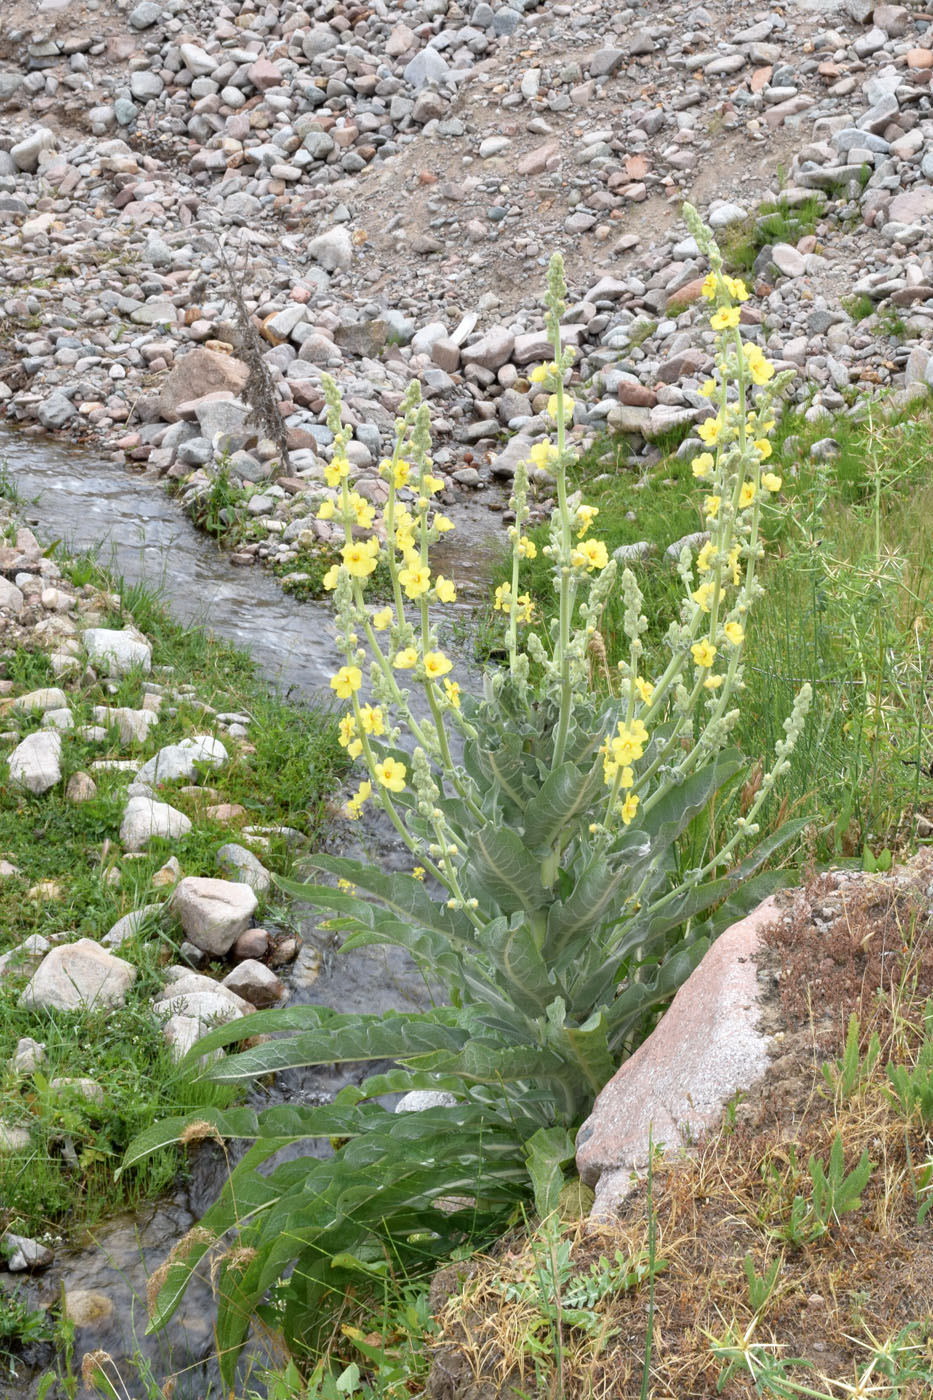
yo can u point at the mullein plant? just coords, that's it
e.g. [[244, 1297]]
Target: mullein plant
[[548, 896]]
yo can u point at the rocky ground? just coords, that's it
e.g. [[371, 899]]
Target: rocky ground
[[388, 183]]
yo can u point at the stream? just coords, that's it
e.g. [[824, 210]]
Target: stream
[[72, 495]]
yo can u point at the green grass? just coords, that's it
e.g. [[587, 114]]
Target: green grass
[[848, 607], [778, 222], [282, 777]]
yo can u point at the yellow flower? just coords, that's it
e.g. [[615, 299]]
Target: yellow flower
[[382, 619], [346, 731], [356, 801], [645, 689], [445, 590], [704, 653], [372, 719], [452, 691], [726, 319], [702, 595], [419, 872], [526, 607], [405, 544], [711, 506], [591, 554], [759, 367], [735, 554], [553, 407], [336, 470], [540, 372], [704, 556], [747, 494], [735, 633], [347, 680], [543, 453], [346, 885], [736, 288], [626, 747], [329, 580], [629, 808], [585, 517], [710, 286], [365, 513], [442, 524], [415, 579], [708, 388], [358, 559], [325, 510], [432, 484], [710, 430], [713, 682], [527, 549], [400, 474], [764, 448], [771, 482], [405, 659], [391, 774], [702, 466], [503, 598], [626, 778], [436, 664]]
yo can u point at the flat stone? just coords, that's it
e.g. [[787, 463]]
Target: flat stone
[[11, 597], [35, 763], [14, 1139], [78, 976], [85, 1088], [132, 725], [705, 1048], [332, 249], [417, 1100], [788, 260], [50, 697], [911, 205], [144, 819], [56, 411], [213, 913], [491, 351], [24, 1254]]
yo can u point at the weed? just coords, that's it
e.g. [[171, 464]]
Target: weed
[[859, 306]]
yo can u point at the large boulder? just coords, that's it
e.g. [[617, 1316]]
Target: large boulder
[[213, 913], [182, 760], [77, 977], [707, 1046], [145, 818], [198, 373], [119, 651]]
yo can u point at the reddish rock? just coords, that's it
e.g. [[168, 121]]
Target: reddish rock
[[636, 395], [920, 58], [197, 374], [254, 943], [705, 1048], [264, 74], [687, 294], [538, 160]]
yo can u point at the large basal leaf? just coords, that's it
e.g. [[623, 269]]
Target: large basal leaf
[[548, 1150], [356, 1038], [596, 898], [499, 768], [523, 974], [403, 895], [585, 1049], [501, 868], [564, 797]]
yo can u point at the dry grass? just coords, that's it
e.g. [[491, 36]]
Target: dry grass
[[867, 1277]]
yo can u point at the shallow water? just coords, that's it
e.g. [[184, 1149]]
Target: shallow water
[[74, 495]]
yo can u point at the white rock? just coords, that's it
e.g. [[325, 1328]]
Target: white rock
[[132, 725], [78, 976], [120, 651], [87, 1088], [333, 249], [788, 260], [13, 1139], [130, 924], [28, 1055], [51, 697], [417, 1100], [213, 913], [181, 760], [11, 597], [35, 764], [144, 818]]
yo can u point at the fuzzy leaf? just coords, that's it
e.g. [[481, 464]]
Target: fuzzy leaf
[[566, 794], [504, 870]]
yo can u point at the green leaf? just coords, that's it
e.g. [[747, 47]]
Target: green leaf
[[548, 1150], [502, 869], [566, 794]]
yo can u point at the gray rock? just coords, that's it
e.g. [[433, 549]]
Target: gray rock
[[56, 411], [35, 763], [145, 15], [50, 697], [14, 1139], [26, 957], [130, 924], [28, 1055], [427, 66], [132, 725], [332, 249], [788, 260], [145, 86], [197, 60], [144, 819], [77, 976], [417, 1100], [255, 983], [213, 913], [491, 351], [237, 860], [85, 1088], [11, 597], [25, 153], [119, 651], [181, 760], [24, 1254]]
